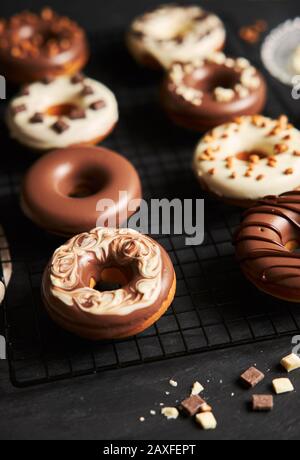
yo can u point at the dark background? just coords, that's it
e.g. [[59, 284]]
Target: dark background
[[109, 405]]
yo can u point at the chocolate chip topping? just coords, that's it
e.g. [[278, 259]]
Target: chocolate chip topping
[[37, 118], [60, 126], [252, 377], [77, 114], [87, 91], [77, 78], [18, 109], [192, 405], [98, 105]]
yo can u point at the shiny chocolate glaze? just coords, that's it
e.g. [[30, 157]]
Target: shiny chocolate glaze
[[34, 46], [263, 245], [210, 112], [81, 319], [61, 191]]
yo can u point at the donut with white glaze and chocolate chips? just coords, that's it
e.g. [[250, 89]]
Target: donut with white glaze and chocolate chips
[[205, 93], [248, 159], [266, 244], [35, 46], [139, 266], [62, 112], [174, 33]]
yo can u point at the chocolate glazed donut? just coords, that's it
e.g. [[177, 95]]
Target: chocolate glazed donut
[[61, 191], [75, 300], [33, 47], [265, 246], [203, 94]]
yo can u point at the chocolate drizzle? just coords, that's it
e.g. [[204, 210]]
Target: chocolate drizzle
[[262, 245]]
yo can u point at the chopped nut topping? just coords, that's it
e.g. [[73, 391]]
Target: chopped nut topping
[[289, 171], [281, 148], [297, 153], [254, 159], [212, 171], [233, 175], [272, 162], [248, 173], [260, 177]]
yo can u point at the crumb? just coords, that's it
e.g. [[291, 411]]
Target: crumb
[[171, 413], [167, 393], [173, 383], [142, 419], [153, 412]]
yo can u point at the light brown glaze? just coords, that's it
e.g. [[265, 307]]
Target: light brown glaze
[[211, 112], [35, 46], [265, 244], [104, 327], [61, 190]]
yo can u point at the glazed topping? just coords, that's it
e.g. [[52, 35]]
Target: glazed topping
[[30, 35], [267, 238], [250, 158], [105, 248], [185, 79]]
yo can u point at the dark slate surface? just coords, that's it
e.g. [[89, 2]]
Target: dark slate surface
[[108, 406]]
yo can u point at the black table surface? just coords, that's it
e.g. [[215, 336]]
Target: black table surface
[[109, 405]]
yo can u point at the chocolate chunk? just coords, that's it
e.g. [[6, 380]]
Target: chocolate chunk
[[192, 405], [78, 78], [262, 403], [60, 126], [37, 118], [18, 109], [87, 91], [47, 80], [98, 105], [252, 377], [77, 114]]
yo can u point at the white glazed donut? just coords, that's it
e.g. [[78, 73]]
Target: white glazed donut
[[62, 112], [5, 264], [175, 33], [250, 158]]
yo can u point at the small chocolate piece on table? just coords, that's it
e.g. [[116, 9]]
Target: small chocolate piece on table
[[77, 114], [18, 109], [192, 405], [60, 126], [207, 421], [291, 362], [282, 386], [37, 118], [98, 105], [262, 403], [252, 377]]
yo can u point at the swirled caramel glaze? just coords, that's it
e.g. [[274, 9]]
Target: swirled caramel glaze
[[266, 242], [76, 267]]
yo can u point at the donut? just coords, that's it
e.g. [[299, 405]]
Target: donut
[[205, 93], [36, 46], [248, 159], [174, 33], [63, 112], [139, 266], [5, 264], [266, 244], [61, 191]]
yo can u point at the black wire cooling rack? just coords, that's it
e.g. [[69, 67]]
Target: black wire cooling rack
[[215, 307]]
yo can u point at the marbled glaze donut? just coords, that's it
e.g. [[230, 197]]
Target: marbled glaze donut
[[266, 242], [252, 157], [62, 190], [35, 46], [206, 93], [5, 264], [62, 112], [174, 33], [136, 262]]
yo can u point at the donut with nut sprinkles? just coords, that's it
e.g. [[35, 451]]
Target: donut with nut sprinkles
[[205, 93], [266, 246], [243, 161], [174, 33], [60, 112], [139, 266], [35, 46]]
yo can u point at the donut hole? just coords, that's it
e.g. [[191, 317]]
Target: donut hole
[[60, 110], [206, 80], [112, 278], [246, 155], [293, 246], [83, 184]]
